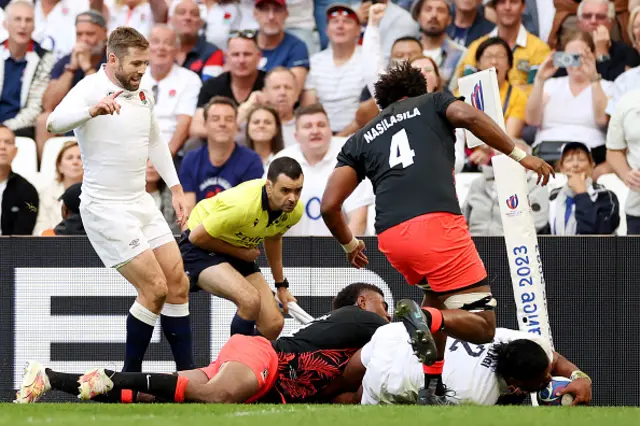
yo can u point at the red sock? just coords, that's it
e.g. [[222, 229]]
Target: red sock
[[437, 320], [435, 369], [181, 387], [126, 396]]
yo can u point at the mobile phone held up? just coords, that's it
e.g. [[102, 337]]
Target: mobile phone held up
[[566, 60]]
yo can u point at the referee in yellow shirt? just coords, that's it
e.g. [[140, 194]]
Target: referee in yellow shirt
[[220, 246]]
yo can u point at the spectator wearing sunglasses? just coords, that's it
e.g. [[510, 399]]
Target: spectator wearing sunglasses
[[279, 48], [242, 78]]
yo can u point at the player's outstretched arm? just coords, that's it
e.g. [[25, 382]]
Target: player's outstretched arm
[[467, 117], [342, 182], [580, 386]]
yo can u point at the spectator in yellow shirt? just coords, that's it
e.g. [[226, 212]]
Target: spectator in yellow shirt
[[495, 53], [528, 50]]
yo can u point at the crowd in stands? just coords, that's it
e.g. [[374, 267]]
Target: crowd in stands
[[237, 83]]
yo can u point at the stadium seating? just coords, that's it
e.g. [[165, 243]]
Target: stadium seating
[[26, 161], [49, 153]]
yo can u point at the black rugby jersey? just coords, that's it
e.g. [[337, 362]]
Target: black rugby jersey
[[318, 353], [408, 153]]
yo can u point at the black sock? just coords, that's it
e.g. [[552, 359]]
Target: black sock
[[240, 325], [138, 337], [161, 385], [428, 378], [177, 331], [64, 382]]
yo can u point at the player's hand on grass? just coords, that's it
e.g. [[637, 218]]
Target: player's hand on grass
[[357, 257], [580, 389], [179, 205], [285, 297], [107, 105], [541, 167]]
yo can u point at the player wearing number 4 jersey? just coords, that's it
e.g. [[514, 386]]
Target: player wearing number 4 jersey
[[407, 152]]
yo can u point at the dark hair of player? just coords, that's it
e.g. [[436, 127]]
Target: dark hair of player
[[398, 83], [219, 100], [316, 108], [124, 38], [493, 41], [348, 296], [521, 359], [284, 166]]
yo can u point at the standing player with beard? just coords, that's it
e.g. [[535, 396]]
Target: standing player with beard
[[407, 152], [117, 132]]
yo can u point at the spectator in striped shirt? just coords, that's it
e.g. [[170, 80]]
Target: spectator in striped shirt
[[335, 79]]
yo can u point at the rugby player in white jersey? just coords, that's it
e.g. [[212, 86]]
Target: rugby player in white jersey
[[502, 371], [115, 126]]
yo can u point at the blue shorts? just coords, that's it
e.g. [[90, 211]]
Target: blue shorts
[[197, 260]]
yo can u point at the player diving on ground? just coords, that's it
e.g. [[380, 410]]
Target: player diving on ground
[[407, 152]]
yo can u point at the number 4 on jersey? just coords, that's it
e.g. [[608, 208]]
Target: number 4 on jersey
[[400, 152]]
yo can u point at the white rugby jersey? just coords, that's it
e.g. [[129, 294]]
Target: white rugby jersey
[[315, 181], [394, 374], [114, 148]]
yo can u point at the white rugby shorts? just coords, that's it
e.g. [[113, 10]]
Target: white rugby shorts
[[121, 230]]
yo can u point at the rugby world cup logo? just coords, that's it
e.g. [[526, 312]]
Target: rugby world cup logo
[[512, 202], [477, 96]]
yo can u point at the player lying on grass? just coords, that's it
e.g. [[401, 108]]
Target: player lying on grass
[[248, 368], [503, 371]]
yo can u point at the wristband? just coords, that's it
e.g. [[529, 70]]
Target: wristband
[[579, 375], [351, 245], [283, 284], [517, 154]]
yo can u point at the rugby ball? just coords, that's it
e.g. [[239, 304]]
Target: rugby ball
[[547, 396]]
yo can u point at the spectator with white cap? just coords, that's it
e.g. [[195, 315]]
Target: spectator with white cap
[[335, 79], [316, 152]]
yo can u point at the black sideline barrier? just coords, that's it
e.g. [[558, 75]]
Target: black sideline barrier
[[59, 305]]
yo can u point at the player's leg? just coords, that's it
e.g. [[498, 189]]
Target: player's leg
[[115, 232], [225, 281], [145, 274], [175, 319], [270, 321]]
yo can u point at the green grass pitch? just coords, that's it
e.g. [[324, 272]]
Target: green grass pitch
[[309, 415]]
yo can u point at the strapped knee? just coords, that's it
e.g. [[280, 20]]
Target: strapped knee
[[472, 302]]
